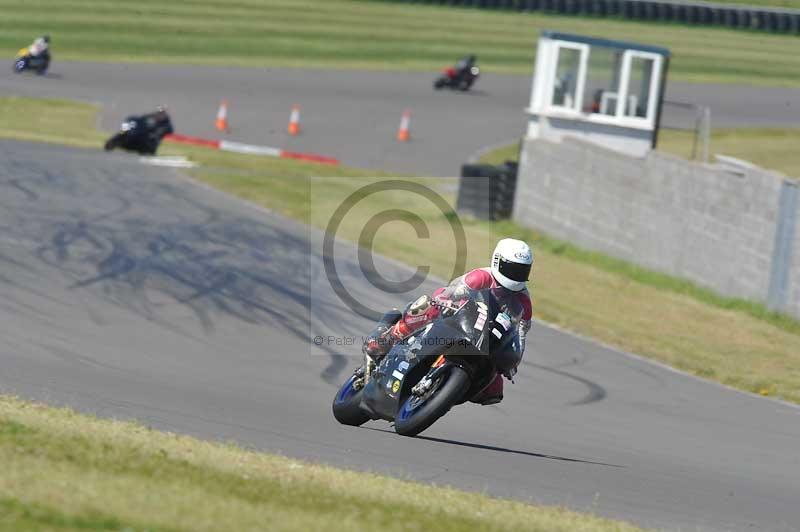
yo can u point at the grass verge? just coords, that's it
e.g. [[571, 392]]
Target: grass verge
[[66, 471], [790, 4], [54, 121], [732, 341], [773, 148], [366, 34]]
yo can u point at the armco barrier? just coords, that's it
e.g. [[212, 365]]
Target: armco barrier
[[776, 20]]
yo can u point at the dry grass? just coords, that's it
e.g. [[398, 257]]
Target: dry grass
[[54, 121], [62, 470], [773, 148]]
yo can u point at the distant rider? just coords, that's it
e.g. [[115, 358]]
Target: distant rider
[[40, 46], [157, 125], [159, 121], [510, 268], [465, 64]]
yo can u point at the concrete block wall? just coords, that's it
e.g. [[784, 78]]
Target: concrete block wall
[[699, 222]]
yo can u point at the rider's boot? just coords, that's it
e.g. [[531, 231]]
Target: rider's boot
[[492, 394]]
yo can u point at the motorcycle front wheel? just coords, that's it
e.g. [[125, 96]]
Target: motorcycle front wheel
[[111, 143], [418, 413], [347, 405]]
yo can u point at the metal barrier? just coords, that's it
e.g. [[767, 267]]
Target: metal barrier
[[776, 20], [684, 116]]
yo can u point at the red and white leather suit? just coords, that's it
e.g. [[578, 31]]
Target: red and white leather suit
[[478, 279]]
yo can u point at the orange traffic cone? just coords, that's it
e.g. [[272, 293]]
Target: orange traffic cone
[[222, 116], [404, 132], [294, 121]]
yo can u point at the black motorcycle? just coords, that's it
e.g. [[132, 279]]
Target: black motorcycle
[[446, 363], [141, 134], [37, 63]]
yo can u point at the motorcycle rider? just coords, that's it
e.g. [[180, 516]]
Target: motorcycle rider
[[159, 121], [465, 64], [157, 125], [509, 270], [40, 46], [142, 133]]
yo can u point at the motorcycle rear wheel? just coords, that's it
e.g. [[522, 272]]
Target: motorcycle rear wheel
[[416, 414]]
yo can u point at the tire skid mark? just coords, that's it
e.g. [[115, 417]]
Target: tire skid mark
[[595, 394]]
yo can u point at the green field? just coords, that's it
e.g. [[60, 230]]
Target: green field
[[792, 4], [773, 148], [732, 341], [64, 471], [365, 34]]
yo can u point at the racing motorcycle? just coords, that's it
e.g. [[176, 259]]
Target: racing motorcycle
[[460, 77], [444, 364], [141, 134], [133, 136], [37, 63]]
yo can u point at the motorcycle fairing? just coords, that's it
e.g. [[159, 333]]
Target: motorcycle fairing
[[484, 324], [408, 362]]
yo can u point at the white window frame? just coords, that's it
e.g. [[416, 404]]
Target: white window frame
[[583, 49], [547, 67], [652, 97]]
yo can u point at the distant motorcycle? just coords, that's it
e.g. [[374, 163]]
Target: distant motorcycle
[[141, 134], [37, 63], [132, 136], [445, 364], [460, 77]]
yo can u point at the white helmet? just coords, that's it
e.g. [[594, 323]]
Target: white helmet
[[511, 263]]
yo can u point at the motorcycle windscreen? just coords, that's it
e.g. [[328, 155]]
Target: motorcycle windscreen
[[490, 319]]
